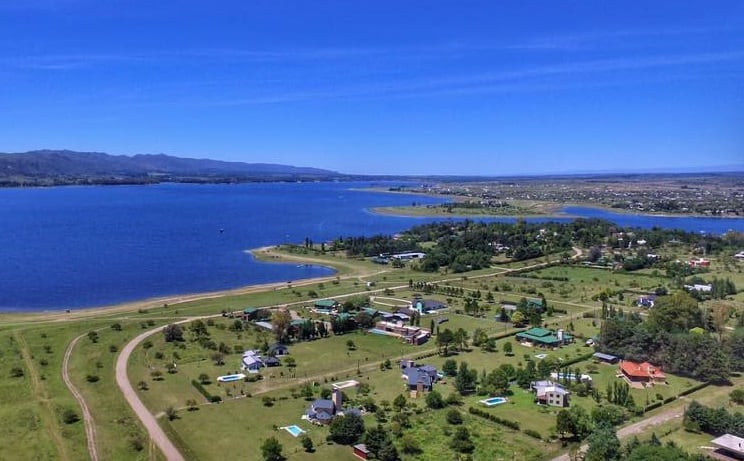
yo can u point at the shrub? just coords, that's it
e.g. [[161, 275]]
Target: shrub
[[454, 416], [70, 416], [533, 433], [92, 378]]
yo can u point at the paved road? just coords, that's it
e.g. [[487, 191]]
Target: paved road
[[90, 427], [636, 428]]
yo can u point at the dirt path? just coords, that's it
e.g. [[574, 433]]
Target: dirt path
[[90, 427], [636, 428], [48, 415]]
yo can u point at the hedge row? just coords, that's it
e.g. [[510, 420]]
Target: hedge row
[[671, 399], [484, 414], [578, 359], [212, 398], [694, 388]]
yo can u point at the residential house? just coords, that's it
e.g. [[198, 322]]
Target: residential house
[[646, 301], [326, 304], [420, 378], [641, 373], [408, 256], [323, 410], [272, 362], [728, 446], [542, 337], [409, 334], [700, 262], [426, 306], [550, 393], [252, 361]]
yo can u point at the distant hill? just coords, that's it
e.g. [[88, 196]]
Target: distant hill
[[56, 167]]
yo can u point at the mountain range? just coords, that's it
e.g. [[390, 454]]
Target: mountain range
[[57, 167]]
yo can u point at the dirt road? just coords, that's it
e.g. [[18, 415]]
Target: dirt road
[[636, 428], [90, 427], [156, 433]]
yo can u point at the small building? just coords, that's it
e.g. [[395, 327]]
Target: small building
[[361, 451], [542, 337], [606, 358], [646, 301], [550, 393], [535, 303], [641, 373], [700, 288], [700, 262], [739, 256], [326, 304], [408, 256], [272, 362], [729, 446], [250, 313], [278, 350], [426, 306]]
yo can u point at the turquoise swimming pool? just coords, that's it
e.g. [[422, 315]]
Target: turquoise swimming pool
[[294, 430], [493, 401]]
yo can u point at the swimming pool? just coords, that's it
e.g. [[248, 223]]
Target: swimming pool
[[230, 378], [377, 331], [493, 401], [294, 429]]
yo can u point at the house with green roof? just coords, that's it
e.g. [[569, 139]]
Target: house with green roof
[[325, 305], [535, 303], [542, 337], [251, 313]]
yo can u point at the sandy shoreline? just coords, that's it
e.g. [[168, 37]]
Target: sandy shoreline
[[261, 253]]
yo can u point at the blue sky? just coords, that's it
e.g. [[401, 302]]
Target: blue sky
[[378, 87]]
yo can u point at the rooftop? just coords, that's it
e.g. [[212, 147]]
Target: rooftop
[[731, 443]]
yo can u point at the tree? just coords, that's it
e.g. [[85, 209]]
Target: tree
[[171, 413], [400, 402], [409, 445], [281, 319], [218, 358], [307, 444], [444, 340], [271, 450], [204, 378], [603, 445], [461, 441], [116, 326], [142, 386], [678, 312], [173, 333], [434, 400], [347, 429], [191, 405], [508, 348], [93, 336], [518, 318], [449, 368], [466, 379], [375, 439]]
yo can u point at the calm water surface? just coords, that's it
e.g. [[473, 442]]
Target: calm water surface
[[70, 247]]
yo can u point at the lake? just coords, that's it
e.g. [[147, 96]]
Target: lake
[[72, 247]]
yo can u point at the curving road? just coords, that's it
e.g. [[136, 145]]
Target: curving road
[[156, 433], [90, 427]]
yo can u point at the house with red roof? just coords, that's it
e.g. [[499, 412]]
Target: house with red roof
[[641, 373]]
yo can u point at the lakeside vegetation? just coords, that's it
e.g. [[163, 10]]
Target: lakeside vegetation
[[591, 293]]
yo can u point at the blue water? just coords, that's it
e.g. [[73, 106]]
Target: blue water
[[494, 401], [69, 247]]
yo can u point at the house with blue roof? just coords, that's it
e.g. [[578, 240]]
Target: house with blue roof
[[420, 378]]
